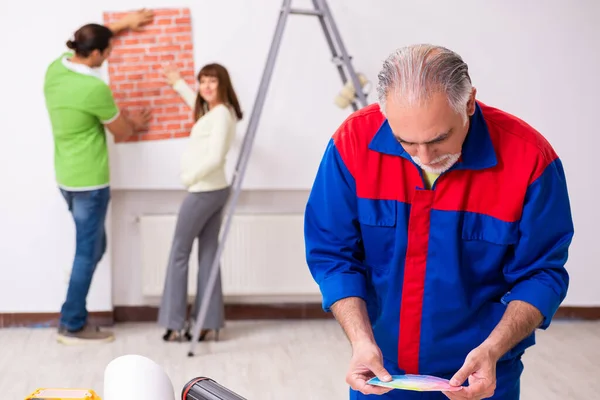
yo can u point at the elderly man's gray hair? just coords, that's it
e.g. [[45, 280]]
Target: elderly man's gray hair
[[413, 74]]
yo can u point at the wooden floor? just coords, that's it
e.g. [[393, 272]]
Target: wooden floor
[[273, 360]]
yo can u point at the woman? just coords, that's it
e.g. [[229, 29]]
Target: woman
[[216, 112]]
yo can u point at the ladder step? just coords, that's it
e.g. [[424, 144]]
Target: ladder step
[[305, 12]]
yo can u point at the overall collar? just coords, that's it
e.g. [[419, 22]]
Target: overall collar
[[477, 151]]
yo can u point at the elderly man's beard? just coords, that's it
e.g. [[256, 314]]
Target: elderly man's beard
[[445, 163]]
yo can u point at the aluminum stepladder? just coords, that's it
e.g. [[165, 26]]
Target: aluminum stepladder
[[341, 58]]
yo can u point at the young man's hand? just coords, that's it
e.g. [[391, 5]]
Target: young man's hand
[[137, 19], [134, 21], [140, 118]]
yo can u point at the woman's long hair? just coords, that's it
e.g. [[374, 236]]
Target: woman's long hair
[[225, 90]]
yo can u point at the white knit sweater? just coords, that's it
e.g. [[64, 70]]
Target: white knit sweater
[[203, 161]]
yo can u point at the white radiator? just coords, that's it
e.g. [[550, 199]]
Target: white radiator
[[263, 256]]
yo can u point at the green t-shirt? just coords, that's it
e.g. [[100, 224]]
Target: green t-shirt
[[78, 103]]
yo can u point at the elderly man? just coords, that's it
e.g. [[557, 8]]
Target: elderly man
[[438, 228]]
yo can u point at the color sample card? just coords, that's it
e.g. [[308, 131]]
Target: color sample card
[[419, 383]]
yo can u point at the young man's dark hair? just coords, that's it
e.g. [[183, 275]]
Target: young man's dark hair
[[90, 37]]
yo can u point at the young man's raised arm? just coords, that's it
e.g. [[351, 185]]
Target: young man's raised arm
[[133, 20]]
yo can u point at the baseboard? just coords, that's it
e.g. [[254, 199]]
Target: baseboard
[[232, 312], [302, 311], [582, 313], [49, 320]]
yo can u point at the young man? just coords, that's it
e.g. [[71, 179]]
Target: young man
[[80, 105], [438, 229]]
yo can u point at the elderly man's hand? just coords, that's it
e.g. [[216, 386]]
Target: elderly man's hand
[[480, 369], [366, 363]]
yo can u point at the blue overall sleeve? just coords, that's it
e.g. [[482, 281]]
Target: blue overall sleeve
[[331, 232], [546, 230]]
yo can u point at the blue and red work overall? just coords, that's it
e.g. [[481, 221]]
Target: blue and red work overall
[[438, 267]]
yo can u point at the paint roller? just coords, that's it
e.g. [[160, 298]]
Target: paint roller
[[347, 95]]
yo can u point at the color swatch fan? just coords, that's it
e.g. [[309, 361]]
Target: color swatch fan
[[419, 383]]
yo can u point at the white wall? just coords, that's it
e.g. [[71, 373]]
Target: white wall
[[126, 246], [37, 238], [536, 59]]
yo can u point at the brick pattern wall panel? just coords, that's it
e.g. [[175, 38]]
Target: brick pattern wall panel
[[135, 71]]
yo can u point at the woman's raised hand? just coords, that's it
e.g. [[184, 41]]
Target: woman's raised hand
[[171, 74]]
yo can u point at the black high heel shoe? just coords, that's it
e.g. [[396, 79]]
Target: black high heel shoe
[[203, 334], [174, 336], [206, 332]]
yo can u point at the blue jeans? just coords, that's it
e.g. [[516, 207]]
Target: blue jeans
[[88, 209]]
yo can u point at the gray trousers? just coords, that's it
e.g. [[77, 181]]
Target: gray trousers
[[200, 216]]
